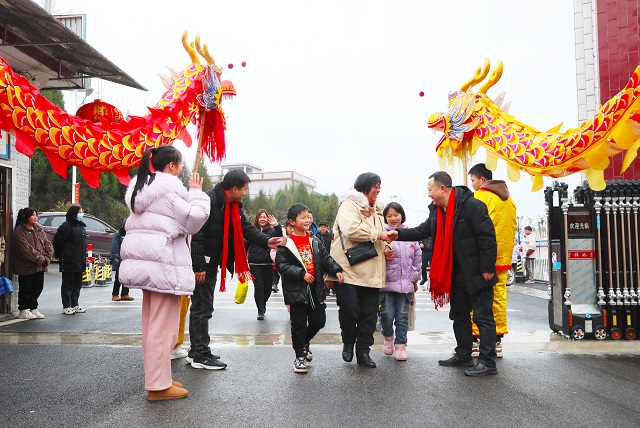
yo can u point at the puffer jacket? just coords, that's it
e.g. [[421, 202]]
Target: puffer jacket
[[29, 246], [155, 251], [257, 254], [70, 246], [292, 271], [405, 268], [357, 228], [502, 210], [474, 238], [208, 241]]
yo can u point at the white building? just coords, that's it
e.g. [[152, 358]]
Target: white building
[[267, 182]]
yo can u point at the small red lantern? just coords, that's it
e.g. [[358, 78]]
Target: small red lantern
[[244, 63], [97, 109], [421, 94], [230, 66]]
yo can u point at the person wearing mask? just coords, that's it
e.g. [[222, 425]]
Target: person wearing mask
[[32, 253], [70, 248]]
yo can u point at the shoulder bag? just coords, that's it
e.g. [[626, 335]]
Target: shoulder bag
[[358, 253]]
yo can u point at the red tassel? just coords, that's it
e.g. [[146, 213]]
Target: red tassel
[[213, 144]]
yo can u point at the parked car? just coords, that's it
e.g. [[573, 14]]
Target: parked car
[[99, 233]]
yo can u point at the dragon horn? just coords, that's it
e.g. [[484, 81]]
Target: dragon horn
[[189, 48], [478, 77], [204, 51], [496, 74]]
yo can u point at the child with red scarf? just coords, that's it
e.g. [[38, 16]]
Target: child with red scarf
[[463, 268], [301, 260]]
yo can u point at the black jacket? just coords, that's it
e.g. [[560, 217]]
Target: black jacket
[[70, 246], [257, 254], [326, 239], [474, 237], [292, 271], [208, 241]]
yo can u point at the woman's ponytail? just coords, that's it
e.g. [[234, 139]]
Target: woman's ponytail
[[143, 173]]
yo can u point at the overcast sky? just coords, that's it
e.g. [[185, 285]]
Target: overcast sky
[[331, 88]]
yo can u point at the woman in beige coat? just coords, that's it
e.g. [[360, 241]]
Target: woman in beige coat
[[359, 220]]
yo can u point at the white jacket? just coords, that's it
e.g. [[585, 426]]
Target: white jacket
[[155, 252]]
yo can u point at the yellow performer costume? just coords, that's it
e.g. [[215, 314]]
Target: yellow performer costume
[[502, 210]]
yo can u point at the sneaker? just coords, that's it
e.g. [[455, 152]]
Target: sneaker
[[387, 347], [498, 349], [475, 349], [115, 298], [37, 313], [206, 362], [171, 393], [307, 352], [79, 310], [401, 352], [456, 360], [68, 311], [178, 352], [481, 370], [300, 365], [26, 315], [189, 358]]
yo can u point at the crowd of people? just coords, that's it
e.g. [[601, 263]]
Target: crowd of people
[[176, 243]]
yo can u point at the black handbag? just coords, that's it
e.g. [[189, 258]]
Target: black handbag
[[358, 253]]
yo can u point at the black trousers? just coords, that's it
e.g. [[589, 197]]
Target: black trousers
[[463, 301], [306, 322], [29, 289], [201, 312], [70, 290], [262, 284], [358, 314], [116, 287], [426, 262]]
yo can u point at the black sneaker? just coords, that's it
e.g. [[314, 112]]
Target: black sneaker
[[206, 362], [456, 360], [300, 365], [307, 352], [481, 370], [189, 357]]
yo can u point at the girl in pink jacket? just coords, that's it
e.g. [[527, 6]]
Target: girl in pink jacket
[[156, 258]]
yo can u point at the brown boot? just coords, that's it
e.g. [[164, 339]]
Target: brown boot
[[115, 298], [171, 393], [176, 383], [126, 298]]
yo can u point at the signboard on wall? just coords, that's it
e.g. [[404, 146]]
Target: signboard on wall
[[4, 145]]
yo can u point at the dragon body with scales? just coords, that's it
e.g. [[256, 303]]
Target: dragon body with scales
[[474, 120], [66, 139]]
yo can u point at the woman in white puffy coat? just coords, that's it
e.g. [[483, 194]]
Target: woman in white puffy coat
[[156, 258]]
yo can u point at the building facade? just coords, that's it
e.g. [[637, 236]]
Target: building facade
[[267, 182]]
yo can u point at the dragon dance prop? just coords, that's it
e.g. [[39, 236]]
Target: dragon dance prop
[[474, 120], [194, 96]]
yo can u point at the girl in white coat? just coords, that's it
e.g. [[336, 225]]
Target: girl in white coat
[[156, 258]]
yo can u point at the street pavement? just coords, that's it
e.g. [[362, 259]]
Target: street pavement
[[86, 370]]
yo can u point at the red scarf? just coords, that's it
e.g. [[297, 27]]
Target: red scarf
[[232, 211], [442, 258]]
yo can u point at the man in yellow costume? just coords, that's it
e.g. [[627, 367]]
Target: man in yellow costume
[[502, 210]]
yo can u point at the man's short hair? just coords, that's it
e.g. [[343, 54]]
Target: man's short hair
[[528, 228], [442, 178], [235, 178], [480, 170]]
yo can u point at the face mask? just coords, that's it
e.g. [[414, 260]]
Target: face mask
[[80, 216]]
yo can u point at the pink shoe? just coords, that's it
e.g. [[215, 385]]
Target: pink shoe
[[401, 352], [388, 345]]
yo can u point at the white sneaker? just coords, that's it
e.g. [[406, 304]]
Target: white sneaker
[[68, 311], [178, 352], [498, 349], [475, 349], [79, 310], [26, 315], [37, 313]]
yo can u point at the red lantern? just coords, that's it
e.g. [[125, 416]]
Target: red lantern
[[99, 109], [421, 94], [244, 63], [230, 66]]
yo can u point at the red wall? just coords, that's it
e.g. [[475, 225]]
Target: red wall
[[618, 47]]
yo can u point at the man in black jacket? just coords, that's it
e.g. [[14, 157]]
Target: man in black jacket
[[470, 275], [208, 252]]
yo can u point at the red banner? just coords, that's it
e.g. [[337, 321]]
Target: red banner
[[582, 255]]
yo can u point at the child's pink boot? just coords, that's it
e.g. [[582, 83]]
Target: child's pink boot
[[401, 352], [388, 345]]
